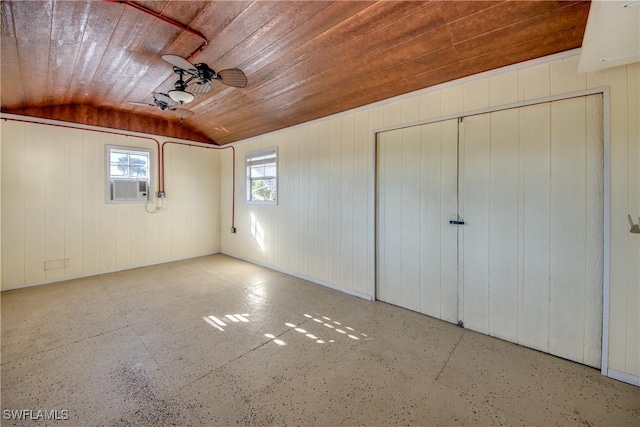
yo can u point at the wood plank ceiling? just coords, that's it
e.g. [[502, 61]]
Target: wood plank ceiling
[[82, 61]]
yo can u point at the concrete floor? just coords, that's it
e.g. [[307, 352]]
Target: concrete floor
[[154, 346]]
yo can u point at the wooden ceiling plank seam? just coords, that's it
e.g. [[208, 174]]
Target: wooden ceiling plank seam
[[115, 88], [221, 89], [61, 52], [376, 50], [217, 24], [385, 65], [334, 36], [518, 13], [7, 23], [85, 65], [34, 39], [119, 57], [306, 49], [241, 27], [457, 10], [93, 52], [214, 97], [300, 12], [311, 29], [363, 62], [10, 55], [523, 30], [332, 47], [267, 87], [66, 99]]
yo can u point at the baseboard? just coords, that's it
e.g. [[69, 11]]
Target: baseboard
[[303, 277], [99, 273], [624, 377]]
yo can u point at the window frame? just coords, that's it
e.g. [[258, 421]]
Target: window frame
[[247, 159], [108, 178]]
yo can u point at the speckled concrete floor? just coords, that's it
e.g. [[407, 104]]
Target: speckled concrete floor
[[218, 341]]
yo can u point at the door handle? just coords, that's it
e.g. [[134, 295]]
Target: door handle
[[456, 222]]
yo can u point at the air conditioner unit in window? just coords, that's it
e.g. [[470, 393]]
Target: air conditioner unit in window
[[128, 190]]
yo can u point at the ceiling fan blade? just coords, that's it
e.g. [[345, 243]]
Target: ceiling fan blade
[[164, 98], [180, 62], [233, 77], [141, 104], [182, 113], [199, 87]]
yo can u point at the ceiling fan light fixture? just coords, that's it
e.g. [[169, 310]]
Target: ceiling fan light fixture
[[181, 96]]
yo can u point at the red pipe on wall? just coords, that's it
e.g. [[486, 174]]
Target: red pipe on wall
[[169, 21], [89, 130], [160, 156], [233, 179]]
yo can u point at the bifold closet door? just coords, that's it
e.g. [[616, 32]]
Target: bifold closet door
[[416, 246], [531, 250]]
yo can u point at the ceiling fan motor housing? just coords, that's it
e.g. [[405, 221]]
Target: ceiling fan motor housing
[[161, 104], [205, 73]]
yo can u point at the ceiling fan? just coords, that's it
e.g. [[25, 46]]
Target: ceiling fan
[[164, 102], [198, 78]]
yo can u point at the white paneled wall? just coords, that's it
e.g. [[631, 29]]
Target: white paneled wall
[[54, 210], [320, 227], [323, 227]]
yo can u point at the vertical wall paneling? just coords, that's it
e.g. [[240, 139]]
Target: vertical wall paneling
[[535, 164], [93, 197], [313, 192], [347, 201], [54, 199], [324, 197], [57, 224], [361, 164], [335, 201], [409, 249], [594, 232], [633, 302], [179, 192], [475, 192], [303, 235], [1, 136], [568, 202], [32, 200], [504, 227], [286, 202], [390, 231], [73, 203], [13, 204]]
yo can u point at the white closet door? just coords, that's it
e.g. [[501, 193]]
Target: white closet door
[[531, 249], [416, 246], [527, 265]]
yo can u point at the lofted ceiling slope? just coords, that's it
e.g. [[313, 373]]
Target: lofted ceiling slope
[[83, 61]]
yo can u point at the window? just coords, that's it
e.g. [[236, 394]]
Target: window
[[262, 177], [128, 174]]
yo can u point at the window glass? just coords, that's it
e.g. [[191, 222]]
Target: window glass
[[262, 177], [128, 174]]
